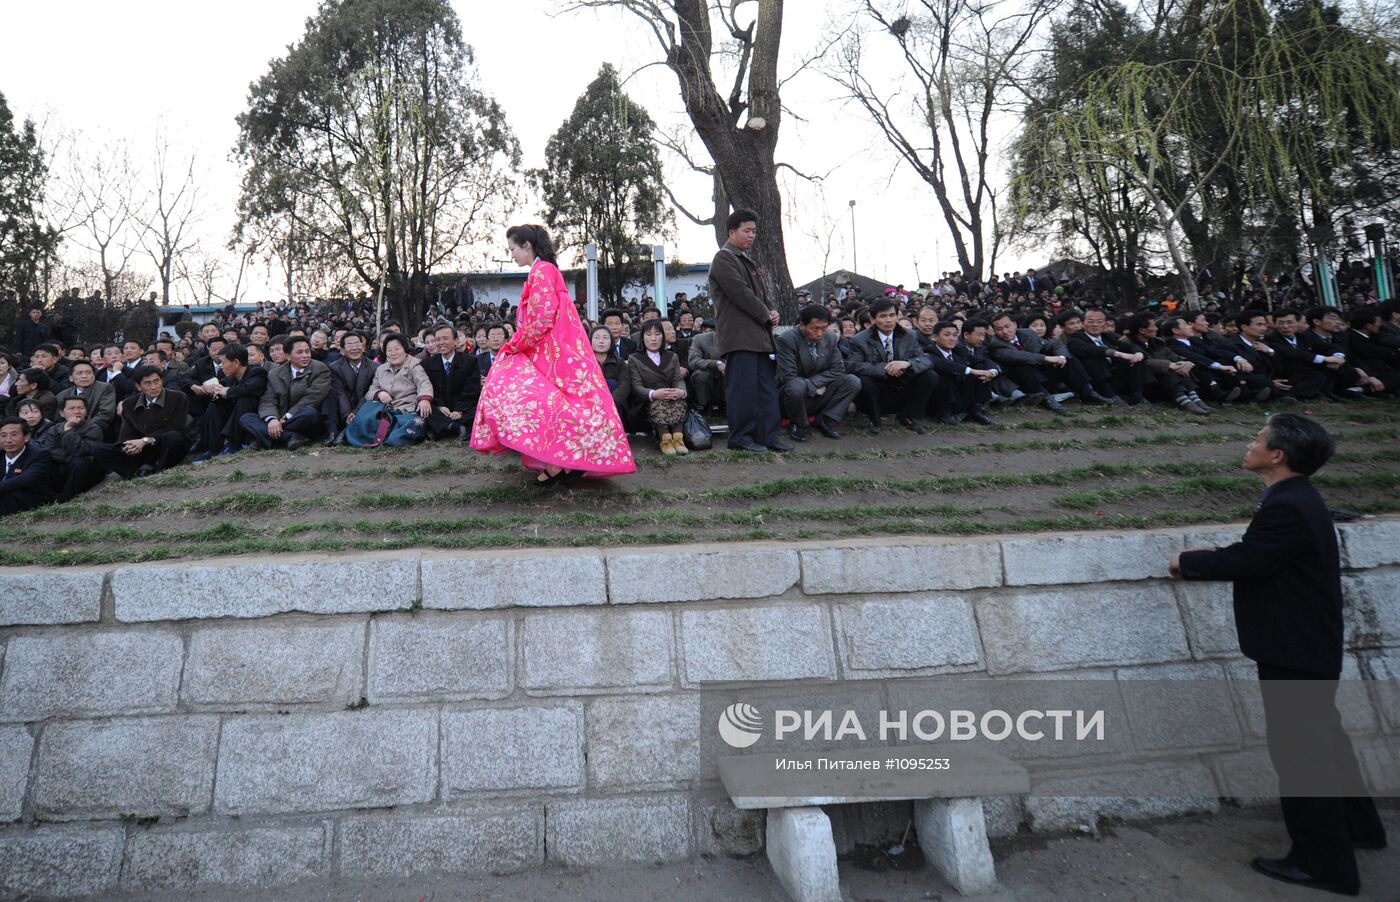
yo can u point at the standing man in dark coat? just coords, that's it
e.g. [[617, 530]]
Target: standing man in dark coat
[[745, 326], [30, 333], [1288, 612]]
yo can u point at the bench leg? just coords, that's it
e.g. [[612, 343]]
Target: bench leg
[[953, 836], [803, 854]]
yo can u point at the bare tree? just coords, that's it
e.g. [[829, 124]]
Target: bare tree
[[965, 58], [172, 213], [739, 128], [106, 210]]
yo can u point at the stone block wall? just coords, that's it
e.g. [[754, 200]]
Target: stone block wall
[[247, 723]]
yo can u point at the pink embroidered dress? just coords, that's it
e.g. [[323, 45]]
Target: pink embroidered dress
[[545, 395]]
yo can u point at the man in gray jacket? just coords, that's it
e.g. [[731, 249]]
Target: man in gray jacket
[[894, 371], [290, 408], [812, 375], [745, 322]]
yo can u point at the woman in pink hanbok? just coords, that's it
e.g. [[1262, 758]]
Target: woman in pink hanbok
[[545, 396]]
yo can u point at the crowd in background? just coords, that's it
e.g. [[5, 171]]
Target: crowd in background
[[951, 351]]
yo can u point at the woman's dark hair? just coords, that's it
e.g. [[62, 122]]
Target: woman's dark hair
[[403, 343], [37, 378], [30, 402], [1032, 317], [596, 329], [536, 237], [1305, 444], [653, 325]]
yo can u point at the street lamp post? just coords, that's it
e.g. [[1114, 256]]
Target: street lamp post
[[855, 260]]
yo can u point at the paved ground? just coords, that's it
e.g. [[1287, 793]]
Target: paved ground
[[1180, 860], [1095, 468]]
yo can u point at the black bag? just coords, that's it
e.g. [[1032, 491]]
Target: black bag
[[697, 431]]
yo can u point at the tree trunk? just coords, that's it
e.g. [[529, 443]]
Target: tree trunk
[[1190, 296]]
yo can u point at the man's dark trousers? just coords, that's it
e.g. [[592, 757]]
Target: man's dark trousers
[[170, 448], [1308, 745], [307, 423], [751, 398]]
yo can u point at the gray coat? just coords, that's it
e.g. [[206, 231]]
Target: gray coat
[[101, 401], [869, 355], [795, 360], [1033, 350], [741, 310], [704, 352], [284, 396]]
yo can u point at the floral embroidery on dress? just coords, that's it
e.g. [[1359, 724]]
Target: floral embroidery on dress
[[545, 396]]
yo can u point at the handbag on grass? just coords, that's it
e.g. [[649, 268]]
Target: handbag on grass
[[697, 431], [376, 425]]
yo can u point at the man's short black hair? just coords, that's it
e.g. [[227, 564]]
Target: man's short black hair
[[943, 324], [84, 362], [142, 372], [1245, 317], [737, 219], [37, 378], [16, 421], [1305, 444], [813, 312], [293, 340], [880, 306], [81, 400], [1068, 315], [353, 334], [49, 348], [973, 325], [1360, 319], [1316, 314], [448, 326], [235, 352], [611, 311]]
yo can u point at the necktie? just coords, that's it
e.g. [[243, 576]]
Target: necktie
[[295, 375], [814, 350], [446, 368], [889, 350], [1016, 343]]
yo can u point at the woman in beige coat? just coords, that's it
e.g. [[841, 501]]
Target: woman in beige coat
[[400, 383]]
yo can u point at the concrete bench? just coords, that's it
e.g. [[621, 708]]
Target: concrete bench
[[948, 815]]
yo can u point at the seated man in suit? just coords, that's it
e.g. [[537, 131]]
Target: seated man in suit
[[1217, 371], [1116, 374], [152, 435], [206, 367], [77, 437], [456, 387], [893, 370], [812, 380], [115, 374], [962, 387], [100, 398], [1261, 371], [705, 383], [1327, 336], [495, 340], [1365, 347], [351, 377], [623, 346], [1310, 374], [239, 393], [1036, 367], [290, 410], [29, 479], [46, 359], [1288, 613]]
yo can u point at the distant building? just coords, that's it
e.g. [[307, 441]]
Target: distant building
[[843, 278]]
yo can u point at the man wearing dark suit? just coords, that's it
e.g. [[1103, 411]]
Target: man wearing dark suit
[[1309, 374], [30, 333], [100, 398], [1260, 369], [29, 478], [962, 386], [1288, 613], [1114, 372], [290, 410], [351, 377], [894, 371], [152, 435], [239, 393], [1216, 373], [1365, 348], [812, 377], [456, 388], [746, 319], [623, 346], [495, 340], [1035, 366], [1327, 337], [116, 373]]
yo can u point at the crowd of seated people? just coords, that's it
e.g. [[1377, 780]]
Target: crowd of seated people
[[946, 354]]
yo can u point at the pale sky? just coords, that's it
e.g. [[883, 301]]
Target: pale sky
[[118, 71]]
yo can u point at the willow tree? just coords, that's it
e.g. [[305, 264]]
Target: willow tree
[[369, 148], [1281, 105], [703, 44]]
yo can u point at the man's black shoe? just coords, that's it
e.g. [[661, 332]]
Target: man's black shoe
[[826, 428], [749, 446], [1288, 872], [1093, 397], [978, 415], [296, 441], [1114, 401], [333, 440], [912, 425], [779, 448], [1051, 404], [874, 425], [796, 432], [1034, 397], [145, 470], [950, 419]]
